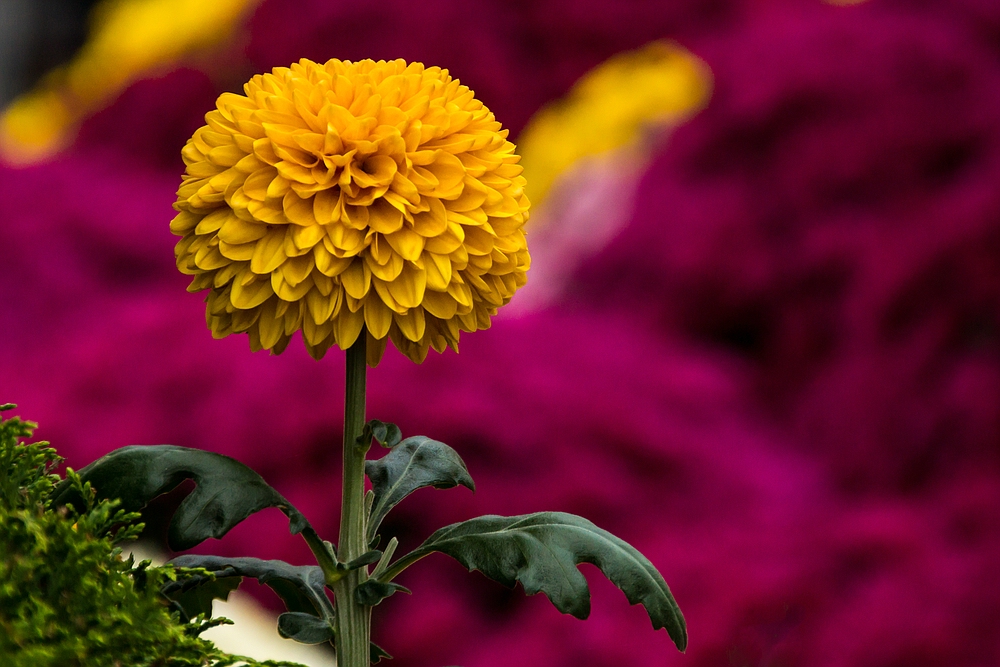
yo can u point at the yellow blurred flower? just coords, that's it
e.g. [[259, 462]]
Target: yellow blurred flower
[[612, 107], [128, 38], [336, 197]]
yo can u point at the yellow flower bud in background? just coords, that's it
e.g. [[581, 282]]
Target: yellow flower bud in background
[[337, 197]]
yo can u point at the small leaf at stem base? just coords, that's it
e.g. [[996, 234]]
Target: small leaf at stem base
[[385, 434], [304, 628], [371, 592]]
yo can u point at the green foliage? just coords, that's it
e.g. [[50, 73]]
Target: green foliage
[[385, 434], [304, 628], [227, 491], [67, 597], [542, 550], [300, 587], [412, 464]]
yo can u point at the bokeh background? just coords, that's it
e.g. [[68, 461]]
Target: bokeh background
[[760, 340]]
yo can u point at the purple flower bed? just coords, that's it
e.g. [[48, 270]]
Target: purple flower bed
[[781, 381]]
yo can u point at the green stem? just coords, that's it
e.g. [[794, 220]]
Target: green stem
[[353, 620]]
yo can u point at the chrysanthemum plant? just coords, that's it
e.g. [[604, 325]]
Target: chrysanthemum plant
[[357, 203]]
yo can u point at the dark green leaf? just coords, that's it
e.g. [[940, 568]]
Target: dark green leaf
[[304, 628], [376, 653], [542, 551], [227, 491], [371, 592], [195, 594], [385, 434], [367, 558], [301, 588], [412, 464]]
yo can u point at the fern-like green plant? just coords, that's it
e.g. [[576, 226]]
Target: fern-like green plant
[[67, 596]]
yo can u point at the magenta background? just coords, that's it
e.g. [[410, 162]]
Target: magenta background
[[781, 381]]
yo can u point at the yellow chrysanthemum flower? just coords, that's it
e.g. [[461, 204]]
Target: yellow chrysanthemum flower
[[347, 196]]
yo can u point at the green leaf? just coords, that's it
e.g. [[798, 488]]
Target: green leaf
[[367, 558], [542, 551], [227, 491], [195, 594], [377, 653], [385, 434], [304, 628], [300, 587], [371, 592], [412, 464]]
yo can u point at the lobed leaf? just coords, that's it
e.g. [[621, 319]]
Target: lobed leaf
[[541, 551], [414, 463], [300, 587], [376, 653], [227, 491], [193, 596], [304, 628]]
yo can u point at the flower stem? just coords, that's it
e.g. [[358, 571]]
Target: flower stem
[[353, 620]]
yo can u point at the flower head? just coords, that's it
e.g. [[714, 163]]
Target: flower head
[[340, 197]]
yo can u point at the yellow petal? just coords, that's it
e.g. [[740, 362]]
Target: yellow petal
[[402, 186], [240, 253], [432, 222], [374, 350], [473, 196], [356, 279], [327, 263], [306, 237], [408, 288], [325, 206], [384, 218], [355, 217], [255, 187], [298, 210], [277, 188], [322, 308], [383, 261], [296, 269], [343, 241], [287, 291], [440, 304], [461, 293], [447, 241], [450, 173], [295, 173], [270, 328], [407, 243], [184, 222], [478, 240], [252, 295], [212, 222], [235, 231], [209, 258], [347, 326], [412, 324], [378, 317], [438, 270], [226, 156], [268, 253]]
